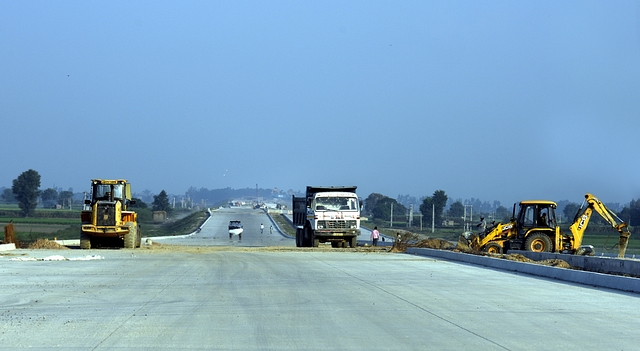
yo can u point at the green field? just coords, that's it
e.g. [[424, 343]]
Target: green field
[[44, 225]]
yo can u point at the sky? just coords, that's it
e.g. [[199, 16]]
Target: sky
[[493, 100]]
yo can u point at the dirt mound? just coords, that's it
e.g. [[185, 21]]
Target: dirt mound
[[46, 244], [521, 258], [433, 243]]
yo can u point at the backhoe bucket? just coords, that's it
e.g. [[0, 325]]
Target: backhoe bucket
[[622, 244], [464, 240]]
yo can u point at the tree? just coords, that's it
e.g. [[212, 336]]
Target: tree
[[631, 213], [503, 214], [426, 208], [456, 210], [436, 202], [26, 190], [382, 210], [7, 196], [65, 198], [49, 197], [139, 203], [570, 210], [161, 202], [372, 201]]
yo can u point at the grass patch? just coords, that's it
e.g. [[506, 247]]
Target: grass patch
[[284, 225], [48, 228], [182, 226]]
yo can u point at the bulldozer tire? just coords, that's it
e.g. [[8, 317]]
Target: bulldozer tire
[[85, 241], [131, 239], [538, 242], [493, 248]]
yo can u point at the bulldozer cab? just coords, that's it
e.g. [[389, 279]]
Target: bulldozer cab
[[538, 215], [111, 191]]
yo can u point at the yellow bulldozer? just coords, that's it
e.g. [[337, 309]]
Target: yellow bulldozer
[[535, 229], [108, 222]]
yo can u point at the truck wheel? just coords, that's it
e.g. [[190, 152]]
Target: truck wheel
[[307, 239], [316, 241], [353, 242], [336, 244], [493, 248], [85, 241], [298, 235], [538, 242], [131, 238]]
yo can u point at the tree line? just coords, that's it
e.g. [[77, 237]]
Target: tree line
[[25, 190]]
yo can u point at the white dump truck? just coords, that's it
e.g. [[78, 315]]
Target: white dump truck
[[327, 214]]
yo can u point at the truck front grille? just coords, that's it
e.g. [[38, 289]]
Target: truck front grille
[[336, 224], [106, 214]]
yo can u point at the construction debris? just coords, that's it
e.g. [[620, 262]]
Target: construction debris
[[47, 245]]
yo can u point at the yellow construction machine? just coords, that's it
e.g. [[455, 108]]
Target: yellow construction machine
[[535, 229], [108, 221]]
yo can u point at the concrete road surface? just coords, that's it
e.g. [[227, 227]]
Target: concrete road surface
[[214, 298]]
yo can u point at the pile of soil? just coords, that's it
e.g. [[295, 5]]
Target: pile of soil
[[46, 244], [520, 258], [434, 243]]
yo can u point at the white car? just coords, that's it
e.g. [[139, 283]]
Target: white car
[[235, 228]]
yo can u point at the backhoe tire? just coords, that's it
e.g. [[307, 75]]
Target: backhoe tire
[[85, 241], [131, 239], [493, 248], [538, 242]]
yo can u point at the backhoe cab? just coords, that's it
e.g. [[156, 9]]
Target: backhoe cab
[[535, 229], [108, 222]]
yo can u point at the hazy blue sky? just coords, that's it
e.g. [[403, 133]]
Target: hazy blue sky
[[497, 100]]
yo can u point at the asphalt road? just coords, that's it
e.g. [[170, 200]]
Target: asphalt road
[[282, 298]]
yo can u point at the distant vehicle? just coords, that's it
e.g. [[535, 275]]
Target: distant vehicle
[[235, 228]]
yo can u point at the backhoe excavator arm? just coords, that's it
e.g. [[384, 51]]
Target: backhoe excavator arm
[[583, 216]]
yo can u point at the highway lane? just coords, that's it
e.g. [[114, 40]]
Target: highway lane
[[242, 298], [216, 231]]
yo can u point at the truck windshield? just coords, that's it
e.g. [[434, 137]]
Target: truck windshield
[[336, 204]]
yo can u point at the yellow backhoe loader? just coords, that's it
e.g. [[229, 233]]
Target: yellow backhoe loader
[[535, 229]]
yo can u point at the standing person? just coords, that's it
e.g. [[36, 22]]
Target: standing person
[[482, 226], [270, 229], [375, 235], [261, 228]]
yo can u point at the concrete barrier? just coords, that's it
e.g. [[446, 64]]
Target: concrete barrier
[[569, 275], [6, 247], [600, 264]]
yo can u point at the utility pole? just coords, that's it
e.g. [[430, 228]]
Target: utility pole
[[410, 215], [391, 224], [433, 217]]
